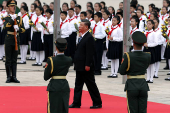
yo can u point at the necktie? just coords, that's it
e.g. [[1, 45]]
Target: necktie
[[112, 31], [149, 16], [31, 16], [47, 23], [36, 21], [61, 25], [80, 38], [120, 24], [162, 17], [76, 17], [147, 34], [140, 19], [24, 15], [131, 32], [94, 29]]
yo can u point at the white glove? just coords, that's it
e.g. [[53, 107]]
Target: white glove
[[16, 27], [13, 16]]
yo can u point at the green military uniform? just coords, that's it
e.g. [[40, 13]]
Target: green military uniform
[[134, 65], [58, 88], [11, 52]]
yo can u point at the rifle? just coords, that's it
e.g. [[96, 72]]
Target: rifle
[[15, 35]]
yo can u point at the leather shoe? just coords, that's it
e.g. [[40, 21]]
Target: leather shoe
[[155, 76], [73, 106], [168, 79], [96, 107], [8, 80], [150, 82], [166, 68], [168, 74]]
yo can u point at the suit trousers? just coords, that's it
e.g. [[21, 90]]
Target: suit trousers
[[48, 46], [98, 54], [86, 77], [137, 101]]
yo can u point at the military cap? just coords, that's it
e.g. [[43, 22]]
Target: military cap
[[139, 37], [61, 43], [11, 3]]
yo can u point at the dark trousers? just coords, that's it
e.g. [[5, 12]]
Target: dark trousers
[[58, 102], [137, 101], [73, 37], [86, 77], [98, 54], [48, 46], [10, 52]]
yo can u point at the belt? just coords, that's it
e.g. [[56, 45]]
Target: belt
[[58, 77], [138, 76], [11, 33]]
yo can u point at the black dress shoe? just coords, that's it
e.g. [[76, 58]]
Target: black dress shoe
[[96, 107], [15, 80], [21, 62], [167, 79], [39, 64], [36, 64], [168, 73], [73, 106], [110, 76], [166, 68], [1, 59], [104, 68], [155, 76], [8, 80], [147, 81], [114, 76]]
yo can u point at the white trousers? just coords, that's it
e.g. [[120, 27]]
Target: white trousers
[[157, 64], [162, 51], [150, 72], [23, 51], [114, 66], [32, 53], [39, 56], [104, 59], [2, 51]]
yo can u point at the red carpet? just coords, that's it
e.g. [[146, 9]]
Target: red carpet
[[34, 100]]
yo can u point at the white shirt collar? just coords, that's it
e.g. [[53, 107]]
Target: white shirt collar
[[84, 34], [137, 50], [115, 26], [106, 20], [60, 53], [134, 28]]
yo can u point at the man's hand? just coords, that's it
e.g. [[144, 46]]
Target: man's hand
[[146, 44], [87, 68]]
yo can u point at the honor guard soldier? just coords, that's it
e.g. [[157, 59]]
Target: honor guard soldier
[[14, 25], [58, 89], [134, 65]]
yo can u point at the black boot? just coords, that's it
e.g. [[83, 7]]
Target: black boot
[[167, 65], [8, 72], [14, 70]]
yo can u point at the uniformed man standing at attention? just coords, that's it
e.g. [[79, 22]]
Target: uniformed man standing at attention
[[13, 24], [58, 89], [134, 65]]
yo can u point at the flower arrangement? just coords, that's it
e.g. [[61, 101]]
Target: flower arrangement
[[164, 30], [76, 27], [166, 22], [107, 30], [31, 24]]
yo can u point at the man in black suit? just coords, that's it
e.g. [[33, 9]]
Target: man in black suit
[[84, 66]]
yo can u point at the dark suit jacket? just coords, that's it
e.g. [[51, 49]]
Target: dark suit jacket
[[84, 55]]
